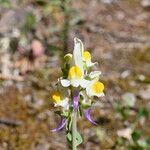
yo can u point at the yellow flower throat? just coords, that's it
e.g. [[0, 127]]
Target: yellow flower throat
[[98, 87], [56, 96], [74, 73], [86, 56]]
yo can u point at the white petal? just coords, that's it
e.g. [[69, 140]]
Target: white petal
[[95, 74], [65, 82], [90, 64], [75, 83], [100, 95], [82, 46], [84, 83], [63, 103], [91, 93], [88, 90], [77, 53]]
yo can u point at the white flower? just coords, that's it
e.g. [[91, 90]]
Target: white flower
[[76, 72], [77, 54], [75, 78], [79, 59], [95, 74], [60, 97], [86, 56], [95, 88], [81, 56]]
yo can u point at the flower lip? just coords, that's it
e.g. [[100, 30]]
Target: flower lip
[[75, 73], [97, 87], [56, 96], [86, 56]]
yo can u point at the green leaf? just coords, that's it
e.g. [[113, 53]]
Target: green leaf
[[65, 114], [69, 124], [136, 135], [80, 111], [79, 139], [69, 137]]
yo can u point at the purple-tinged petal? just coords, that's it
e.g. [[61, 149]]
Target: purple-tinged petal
[[60, 126], [88, 116], [75, 100]]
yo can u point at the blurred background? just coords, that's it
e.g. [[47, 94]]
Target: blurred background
[[34, 36]]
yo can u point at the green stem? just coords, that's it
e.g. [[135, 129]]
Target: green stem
[[74, 130]]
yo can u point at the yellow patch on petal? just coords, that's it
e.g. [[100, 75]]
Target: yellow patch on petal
[[56, 96], [86, 56], [98, 87], [75, 73]]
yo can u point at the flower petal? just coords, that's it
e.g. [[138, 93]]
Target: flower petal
[[84, 83], [60, 126], [63, 103], [65, 82], [75, 100], [95, 74], [99, 95], [68, 57], [90, 64], [75, 83], [77, 53], [88, 116]]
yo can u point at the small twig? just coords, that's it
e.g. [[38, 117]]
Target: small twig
[[10, 122]]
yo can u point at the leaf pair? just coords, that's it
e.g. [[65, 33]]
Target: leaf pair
[[78, 138]]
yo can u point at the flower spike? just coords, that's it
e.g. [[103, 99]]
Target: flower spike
[[76, 88]]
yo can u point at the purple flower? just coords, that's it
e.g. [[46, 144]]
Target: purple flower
[[88, 116], [75, 100], [60, 126]]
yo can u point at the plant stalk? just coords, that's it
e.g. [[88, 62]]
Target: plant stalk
[[74, 130], [65, 27]]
